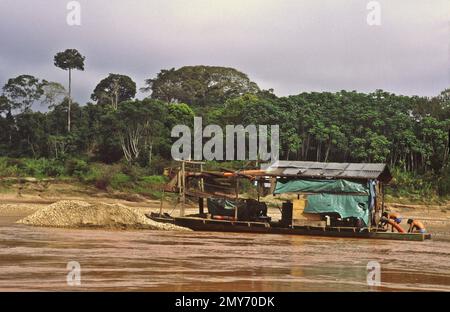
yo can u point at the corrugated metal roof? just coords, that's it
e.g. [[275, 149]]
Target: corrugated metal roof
[[330, 170]]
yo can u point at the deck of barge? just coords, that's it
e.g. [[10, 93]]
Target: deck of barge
[[204, 224]]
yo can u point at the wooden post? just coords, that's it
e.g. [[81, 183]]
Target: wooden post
[[161, 205], [179, 182], [183, 179], [201, 206], [237, 197], [258, 189], [183, 187], [202, 183]]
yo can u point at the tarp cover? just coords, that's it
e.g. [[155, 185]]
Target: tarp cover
[[347, 198], [219, 206], [320, 186], [346, 205]]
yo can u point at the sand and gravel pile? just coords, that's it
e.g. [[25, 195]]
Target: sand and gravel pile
[[79, 214]]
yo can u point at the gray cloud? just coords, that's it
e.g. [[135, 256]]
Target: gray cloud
[[291, 46]]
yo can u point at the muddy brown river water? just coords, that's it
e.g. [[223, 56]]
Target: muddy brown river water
[[36, 258]]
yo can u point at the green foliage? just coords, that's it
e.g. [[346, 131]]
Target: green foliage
[[38, 168], [114, 89], [76, 167], [124, 178], [412, 185], [8, 168], [53, 93], [100, 175], [41, 168], [137, 127], [179, 113], [200, 86], [114, 146], [115, 178], [444, 183], [150, 186], [153, 180], [69, 59], [22, 91], [4, 104], [120, 180], [119, 177]]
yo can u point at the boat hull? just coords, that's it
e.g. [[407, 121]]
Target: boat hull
[[203, 224]]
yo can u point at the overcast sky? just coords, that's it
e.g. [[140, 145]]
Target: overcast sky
[[288, 45]]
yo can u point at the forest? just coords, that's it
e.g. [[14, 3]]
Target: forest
[[67, 138]]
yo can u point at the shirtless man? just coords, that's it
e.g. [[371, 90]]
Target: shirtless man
[[393, 216], [416, 225]]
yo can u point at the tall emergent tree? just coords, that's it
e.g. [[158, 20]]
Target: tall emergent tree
[[199, 86], [113, 90], [68, 60], [22, 91]]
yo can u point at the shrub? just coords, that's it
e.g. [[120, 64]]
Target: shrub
[[10, 167], [76, 167], [150, 186], [53, 169], [444, 183], [103, 181], [7, 169], [15, 162], [154, 179], [133, 171], [120, 180], [42, 167], [411, 185], [99, 175]]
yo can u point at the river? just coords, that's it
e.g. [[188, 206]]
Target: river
[[35, 259]]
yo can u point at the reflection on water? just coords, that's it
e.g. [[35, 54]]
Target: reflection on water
[[36, 258]]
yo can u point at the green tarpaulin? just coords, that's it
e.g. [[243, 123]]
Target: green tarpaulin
[[347, 198], [346, 205], [219, 206], [321, 186]]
